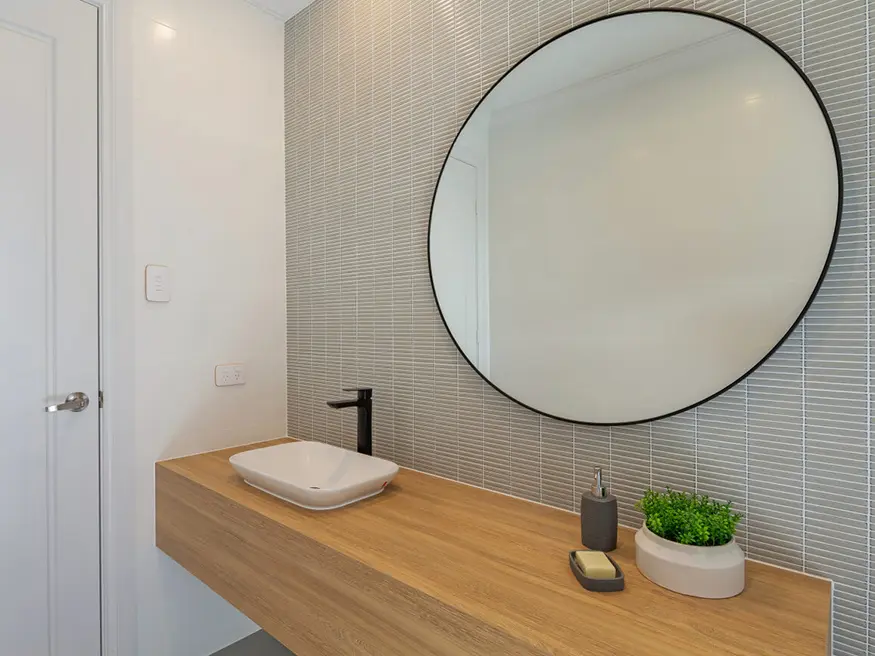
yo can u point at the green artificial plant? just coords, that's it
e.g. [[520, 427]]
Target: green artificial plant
[[688, 518]]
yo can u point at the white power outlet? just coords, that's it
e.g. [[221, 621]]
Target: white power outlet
[[230, 374]]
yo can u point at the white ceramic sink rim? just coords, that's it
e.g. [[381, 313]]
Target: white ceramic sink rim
[[314, 475]]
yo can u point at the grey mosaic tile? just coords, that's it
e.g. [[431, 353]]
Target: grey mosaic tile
[[838, 494], [496, 441], [446, 396], [674, 453], [586, 10], [554, 17], [557, 464], [631, 467], [780, 21], [375, 93], [673, 4], [522, 29], [471, 436], [734, 9], [869, 603], [626, 5], [466, 54], [525, 453], [494, 41]]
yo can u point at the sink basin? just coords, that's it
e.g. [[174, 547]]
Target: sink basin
[[313, 475]]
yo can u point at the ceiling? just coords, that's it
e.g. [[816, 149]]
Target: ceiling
[[283, 9]]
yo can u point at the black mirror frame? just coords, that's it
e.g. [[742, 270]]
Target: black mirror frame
[[839, 173]]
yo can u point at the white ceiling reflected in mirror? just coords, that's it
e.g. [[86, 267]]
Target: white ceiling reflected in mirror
[[282, 9], [635, 217]]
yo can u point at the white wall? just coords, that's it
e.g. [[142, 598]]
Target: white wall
[[199, 133]]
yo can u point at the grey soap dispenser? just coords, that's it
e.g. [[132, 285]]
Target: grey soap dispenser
[[598, 516]]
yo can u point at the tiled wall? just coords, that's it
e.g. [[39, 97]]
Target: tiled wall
[[376, 90]]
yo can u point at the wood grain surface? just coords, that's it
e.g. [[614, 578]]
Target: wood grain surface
[[436, 567]]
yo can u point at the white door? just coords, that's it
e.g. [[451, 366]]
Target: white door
[[456, 240], [49, 485]]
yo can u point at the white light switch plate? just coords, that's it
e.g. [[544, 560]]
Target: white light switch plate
[[230, 374], [158, 283]]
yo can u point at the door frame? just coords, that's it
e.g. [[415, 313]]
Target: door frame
[[117, 285]]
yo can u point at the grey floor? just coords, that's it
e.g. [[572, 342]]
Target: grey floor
[[258, 644]]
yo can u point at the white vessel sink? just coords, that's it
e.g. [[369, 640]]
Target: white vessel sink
[[313, 475]]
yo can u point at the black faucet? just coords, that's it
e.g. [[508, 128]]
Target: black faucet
[[364, 403]]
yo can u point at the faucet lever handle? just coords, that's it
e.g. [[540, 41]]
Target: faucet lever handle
[[363, 392]]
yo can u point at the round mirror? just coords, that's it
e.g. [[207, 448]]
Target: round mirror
[[635, 216]]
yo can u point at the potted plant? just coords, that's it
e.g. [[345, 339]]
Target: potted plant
[[687, 544]]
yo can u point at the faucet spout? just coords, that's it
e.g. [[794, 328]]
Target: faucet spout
[[364, 404], [342, 404]]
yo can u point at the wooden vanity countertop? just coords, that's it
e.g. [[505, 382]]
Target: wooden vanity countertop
[[433, 567]]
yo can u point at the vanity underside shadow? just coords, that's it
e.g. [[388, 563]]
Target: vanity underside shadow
[[257, 644]]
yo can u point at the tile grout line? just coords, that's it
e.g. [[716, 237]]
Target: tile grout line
[[392, 229], [505, 401], [746, 413], [650, 454], [483, 405], [355, 196], [869, 81], [540, 458], [482, 395], [340, 218], [540, 417], [310, 212], [538, 21], [803, 358], [413, 242], [611, 457], [696, 450], [410, 198], [573, 463], [747, 463], [435, 320], [325, 239], [460, 361], [288, 83], [388, 220], [507, 60], [373, 371]]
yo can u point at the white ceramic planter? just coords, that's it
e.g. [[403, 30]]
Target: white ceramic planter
[[708, 572]]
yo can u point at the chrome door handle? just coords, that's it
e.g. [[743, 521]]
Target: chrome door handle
[[76, 402]]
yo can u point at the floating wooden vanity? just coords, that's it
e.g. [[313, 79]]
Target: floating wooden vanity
[[436, 567]]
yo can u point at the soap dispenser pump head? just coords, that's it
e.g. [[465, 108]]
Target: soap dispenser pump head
[[598, 489]]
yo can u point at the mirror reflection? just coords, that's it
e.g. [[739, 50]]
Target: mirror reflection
[[634, 217]]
